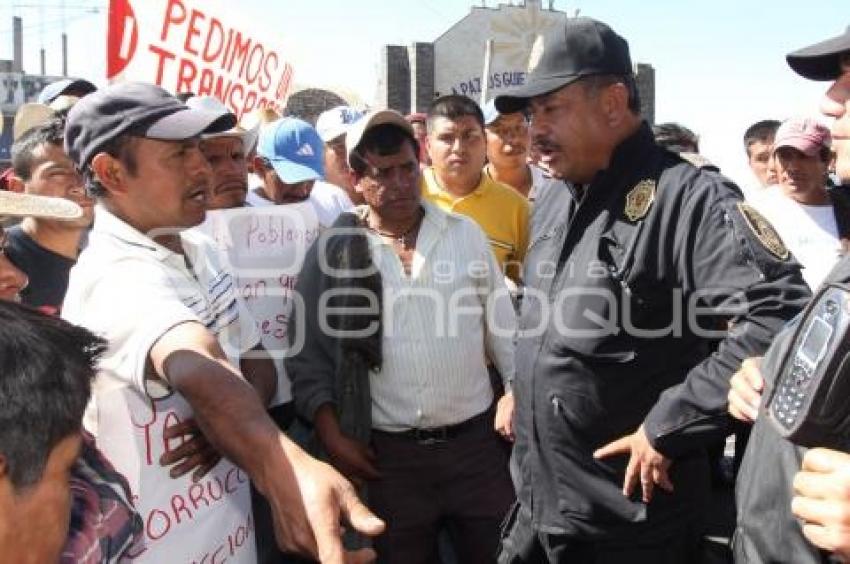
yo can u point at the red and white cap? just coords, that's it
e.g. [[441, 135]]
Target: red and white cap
[[807, 135]]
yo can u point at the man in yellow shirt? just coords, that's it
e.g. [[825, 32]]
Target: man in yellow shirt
[[454, 182]]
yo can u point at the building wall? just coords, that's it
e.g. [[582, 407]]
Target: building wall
[[459, 52], [411, 76], [307, 104]]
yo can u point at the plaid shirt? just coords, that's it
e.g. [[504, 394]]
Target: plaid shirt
[[104, 523]]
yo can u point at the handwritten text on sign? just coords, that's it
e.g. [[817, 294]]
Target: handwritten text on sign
[[265, 248]]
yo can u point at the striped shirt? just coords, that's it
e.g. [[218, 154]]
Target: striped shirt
[[131, 291], [438, 331]]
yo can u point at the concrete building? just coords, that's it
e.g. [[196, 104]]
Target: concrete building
[[460, 60]]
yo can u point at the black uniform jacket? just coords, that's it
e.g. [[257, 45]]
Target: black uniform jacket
[[767, 531], [626, 288]]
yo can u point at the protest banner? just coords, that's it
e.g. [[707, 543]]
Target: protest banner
[[197, 46]]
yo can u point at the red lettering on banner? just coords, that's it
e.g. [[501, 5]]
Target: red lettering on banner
[[220, 494], [250, 102], [148, 439], [283, 84], [240, 51], [266, 79], [178, 504], [187, 74], [166, 520], [251, 58], [205, 84], [231, 472], [215, 559], [215, 28], [233, 103], [193, 31], [160, 67], [196, 494], [171, 420], [171, 17]]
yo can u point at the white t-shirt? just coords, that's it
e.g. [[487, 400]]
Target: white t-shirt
[[131, 291], [327, 199], [809, 232]]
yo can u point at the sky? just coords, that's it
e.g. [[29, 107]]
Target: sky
[[720, 65]]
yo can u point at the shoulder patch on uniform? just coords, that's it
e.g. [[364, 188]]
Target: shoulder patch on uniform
[[763, 231], [639, 200]]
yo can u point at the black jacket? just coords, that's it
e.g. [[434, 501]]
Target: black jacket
[[606, 344], [767, 531]]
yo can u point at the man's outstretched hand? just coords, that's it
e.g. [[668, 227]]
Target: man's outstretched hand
[[310, 500]]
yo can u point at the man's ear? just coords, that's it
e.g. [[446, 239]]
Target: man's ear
[[615, 103], [16, 184], [109, 172], [354, 179]]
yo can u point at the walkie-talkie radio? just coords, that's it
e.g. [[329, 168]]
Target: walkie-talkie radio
[[810, 400]]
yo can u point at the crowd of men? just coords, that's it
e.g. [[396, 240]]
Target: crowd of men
[[519, 333]]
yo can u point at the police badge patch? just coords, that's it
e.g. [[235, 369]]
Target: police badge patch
[[639, 200], [763, 231]]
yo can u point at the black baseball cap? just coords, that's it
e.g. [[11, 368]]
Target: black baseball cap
[[821, 61], [583, 47], [77, 86], [134, 108]]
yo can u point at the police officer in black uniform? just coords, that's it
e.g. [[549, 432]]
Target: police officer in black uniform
[[793, 503], [637, 261]]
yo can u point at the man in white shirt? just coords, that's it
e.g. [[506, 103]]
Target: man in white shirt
[[800, 207], [404, 302], [290, 161], [176, 347]]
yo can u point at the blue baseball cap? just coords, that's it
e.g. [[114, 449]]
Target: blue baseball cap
[[294, 149]]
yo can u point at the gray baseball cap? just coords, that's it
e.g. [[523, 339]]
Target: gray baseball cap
[[134, 108]]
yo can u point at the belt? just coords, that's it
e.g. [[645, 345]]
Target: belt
[[434, 435]]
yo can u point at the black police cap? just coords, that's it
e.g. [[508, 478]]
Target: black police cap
[[583, 47], [134, 108], [821, 61]]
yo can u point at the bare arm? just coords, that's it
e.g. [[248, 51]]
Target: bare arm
[[307, 497], [258, 368]]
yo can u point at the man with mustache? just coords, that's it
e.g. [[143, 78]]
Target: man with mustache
[[627, 278], [178, 352], [400, 302], [227, 154]]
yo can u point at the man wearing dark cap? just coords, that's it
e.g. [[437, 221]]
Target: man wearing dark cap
[[628, 278], [179, 357], [77, 87], [794, 503]]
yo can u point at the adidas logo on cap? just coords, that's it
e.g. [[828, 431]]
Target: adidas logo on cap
[[305, 151]]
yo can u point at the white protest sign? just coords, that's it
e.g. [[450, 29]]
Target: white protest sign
[[184, 521], [265, 248], [197, 46]]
